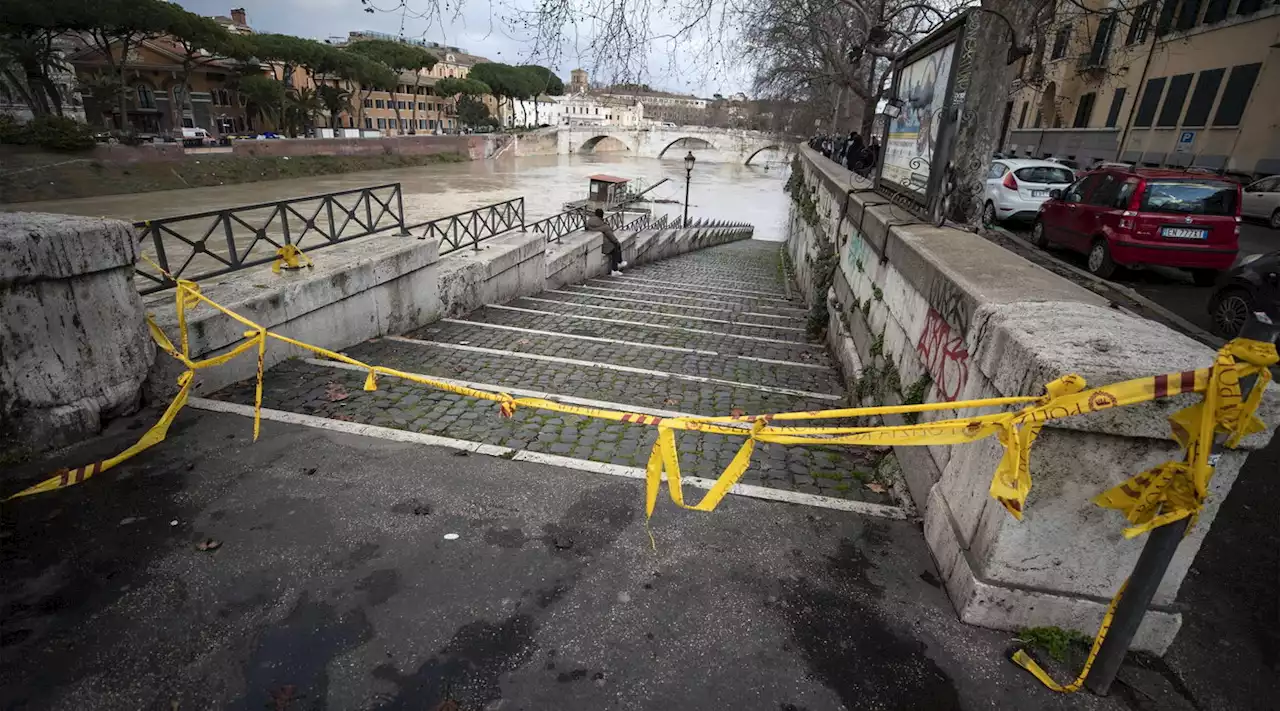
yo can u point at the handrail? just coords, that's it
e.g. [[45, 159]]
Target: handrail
[[473, 226]]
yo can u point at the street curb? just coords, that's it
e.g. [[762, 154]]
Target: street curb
[[1100, 286]]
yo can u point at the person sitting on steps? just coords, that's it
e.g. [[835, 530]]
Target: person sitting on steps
[[612, 246]]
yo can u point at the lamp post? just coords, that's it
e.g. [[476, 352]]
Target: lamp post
[[688, 172]]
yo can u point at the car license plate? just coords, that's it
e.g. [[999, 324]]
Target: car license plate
[[1184, 232], [1039, 193]]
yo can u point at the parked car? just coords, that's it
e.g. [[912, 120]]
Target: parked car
[[1262, 200], [1016, 188], [1252, 285], [1145, 216]]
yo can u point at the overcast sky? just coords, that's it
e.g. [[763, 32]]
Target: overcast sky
[[479, 30]]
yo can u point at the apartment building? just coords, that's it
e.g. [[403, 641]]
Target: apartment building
[[1161, 83]]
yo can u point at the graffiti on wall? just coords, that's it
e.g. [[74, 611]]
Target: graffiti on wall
[[942, 347]]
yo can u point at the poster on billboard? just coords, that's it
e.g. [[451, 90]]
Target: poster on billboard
[[913, 134]]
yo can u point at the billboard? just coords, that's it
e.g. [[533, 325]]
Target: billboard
[[913, 135]]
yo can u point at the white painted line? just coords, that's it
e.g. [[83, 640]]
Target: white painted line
[[586, 465], [651, 302], [731, 290], [619, 368], [748, 490], [760, 339], [798, 313], [354, 428], [675, 316], [634, 344], [700, 292]]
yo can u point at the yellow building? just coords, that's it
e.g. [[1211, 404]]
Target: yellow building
[[1163, 83]]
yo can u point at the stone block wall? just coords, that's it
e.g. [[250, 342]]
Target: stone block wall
[[472, 147], [924, 314]]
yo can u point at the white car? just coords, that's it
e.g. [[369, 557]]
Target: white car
[[1262, 200], [1016, 187]]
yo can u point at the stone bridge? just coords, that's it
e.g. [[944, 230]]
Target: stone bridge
[[656, 142]]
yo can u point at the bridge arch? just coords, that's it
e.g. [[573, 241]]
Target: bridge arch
[[590, 145], [762, 149], [692, 143]]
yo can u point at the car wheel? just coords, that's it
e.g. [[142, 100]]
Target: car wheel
[[1038, 237], [989, 218], [1204, 277], [1100, 262], [1229, 311], [1275, 220]]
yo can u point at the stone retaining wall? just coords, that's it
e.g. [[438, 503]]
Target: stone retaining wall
[[473, 147], [918, 313]]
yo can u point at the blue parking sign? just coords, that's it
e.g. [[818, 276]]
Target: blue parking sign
[[1185, 139]]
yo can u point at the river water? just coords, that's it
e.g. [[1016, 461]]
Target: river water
[[717, 190]]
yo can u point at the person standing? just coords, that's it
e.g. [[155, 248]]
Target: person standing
[[612, 247]]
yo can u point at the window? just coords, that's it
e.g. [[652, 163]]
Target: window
[[431, 123], [1149, 101], [1188, 13], [382, 123], [422, 106], [1165, 23], [146, 97], [379, 104], [1266, 185], [1216, 11], [1022, 115], [368, 103], [997, 170], [1249, 6], [1202, 98], [1105, 194], [1076, 192], [1174, 100], [1236, 95], [1084, 110], [1117, 100], [1036, 123], [1140, 23], [422, 123], [368, 122], [1060, 42], [1209, 197], [1101, 41], [1044, 174]]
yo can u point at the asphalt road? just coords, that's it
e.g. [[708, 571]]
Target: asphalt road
[[1172, 288]]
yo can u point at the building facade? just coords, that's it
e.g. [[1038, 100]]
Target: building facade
[[13, 101], [544, 110], [1162, 83]]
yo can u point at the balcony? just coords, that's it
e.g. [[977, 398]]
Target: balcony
[[1092, 62]]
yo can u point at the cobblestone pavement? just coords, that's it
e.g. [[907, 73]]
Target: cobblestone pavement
[[707, 333]]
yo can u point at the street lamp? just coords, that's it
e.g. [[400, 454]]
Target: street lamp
[[688, 172]]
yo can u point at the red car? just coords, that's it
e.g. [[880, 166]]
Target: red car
[[1122, 216]]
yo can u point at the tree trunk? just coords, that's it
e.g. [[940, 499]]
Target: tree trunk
[[416, 100], [982, 76]]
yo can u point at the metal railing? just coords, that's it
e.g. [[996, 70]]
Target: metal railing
[[212, 243], [647, 222], [559, 225], [473, 226]]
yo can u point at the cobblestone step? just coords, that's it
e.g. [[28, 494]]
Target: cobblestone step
[[300, 386], [777, 331], [634, 329], [781, 373], [741, 314], [607, 291], [716, 398]]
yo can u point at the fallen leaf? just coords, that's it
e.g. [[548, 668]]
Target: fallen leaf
[[806, 355], [877, 487], [208, 544], [344, 418], [737, 412], [523, 342], [335, 392], [671, 401]]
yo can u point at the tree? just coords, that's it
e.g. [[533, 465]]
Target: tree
[[335, 100], [472, 111], [302, 106], [264, 97], [28, 56], [200, 41], [400, 57], [542, 81]]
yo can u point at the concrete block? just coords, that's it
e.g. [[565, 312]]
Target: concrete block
[[75, 344]]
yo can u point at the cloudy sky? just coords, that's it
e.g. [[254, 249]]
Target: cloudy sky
[[479, 28]]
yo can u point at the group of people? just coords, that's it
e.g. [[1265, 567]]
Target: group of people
[[850, 151]]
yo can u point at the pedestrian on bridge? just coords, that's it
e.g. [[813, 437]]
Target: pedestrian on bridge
[[612, 246]]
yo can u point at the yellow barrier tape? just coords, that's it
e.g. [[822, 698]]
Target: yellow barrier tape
[[290, 257], [1024, 659]]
